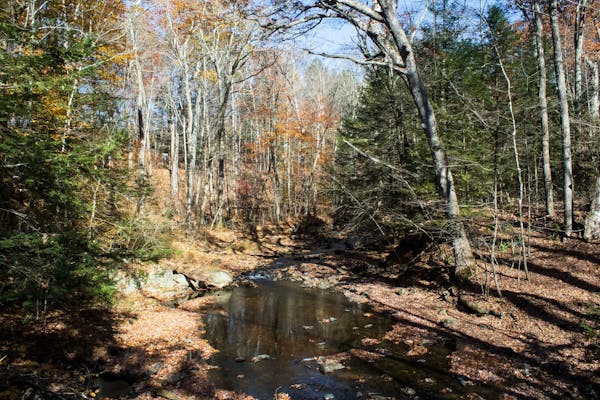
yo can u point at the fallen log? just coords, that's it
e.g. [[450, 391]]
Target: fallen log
[[475, 308]]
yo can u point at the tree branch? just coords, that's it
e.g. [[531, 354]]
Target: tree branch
[[355, 60], [361, 8], [378, 161]]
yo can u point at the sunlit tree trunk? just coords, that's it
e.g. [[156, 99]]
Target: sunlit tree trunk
[[463, 255], [591, 230], [220, 142], [192, 151], [564, 118], [291, 181], [273, 163], [518, 169], [543, 105], [141, 98], [204, 196], [236, 151], [174, 159]]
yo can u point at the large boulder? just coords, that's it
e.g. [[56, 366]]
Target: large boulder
[[219, 279], [155, 281], [203, 279], [165, 283]]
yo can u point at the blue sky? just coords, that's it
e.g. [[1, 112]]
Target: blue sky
[[332, 37], [337, 37]]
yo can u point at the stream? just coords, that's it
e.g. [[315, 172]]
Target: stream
[[279, 337]]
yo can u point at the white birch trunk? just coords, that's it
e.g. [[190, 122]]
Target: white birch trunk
[[543, 105], [463, 255], [174, 160], [513, 135], [192, 142], [564, 119]]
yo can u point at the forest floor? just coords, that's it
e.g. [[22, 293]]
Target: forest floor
[[538, 341]]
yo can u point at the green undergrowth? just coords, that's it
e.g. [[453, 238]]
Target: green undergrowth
[[44, 269]]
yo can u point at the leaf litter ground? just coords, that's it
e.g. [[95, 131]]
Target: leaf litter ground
[[540, 341]]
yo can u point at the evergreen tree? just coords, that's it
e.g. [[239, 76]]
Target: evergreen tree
[[471, 103], [382, 162], [55, 148]]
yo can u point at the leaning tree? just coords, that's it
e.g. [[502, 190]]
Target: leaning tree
[[384, 41]]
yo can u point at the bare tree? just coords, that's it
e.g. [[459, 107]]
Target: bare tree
[[594, 107], [543, 105], [578, 39], [559, 65], [174, 154], [513, 135], [138, 41], [180, 53], [227, 48]]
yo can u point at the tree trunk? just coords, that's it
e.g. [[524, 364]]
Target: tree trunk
[[578, 42], [141, 98], [463, 255], [591, 230], [220, 141], [543, 104], [288, 170], [513, 136], [174, 160], [236, 153], [192, 142], [273, 162], [564, 119], [595, 96], [220, 178]]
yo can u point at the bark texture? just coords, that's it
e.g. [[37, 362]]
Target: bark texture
[[591, 232], [463, 255], [543, 105], [565, 123]]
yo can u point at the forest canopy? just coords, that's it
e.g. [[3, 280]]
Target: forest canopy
[[462, 111]]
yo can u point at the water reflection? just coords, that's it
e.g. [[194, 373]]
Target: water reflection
[[269, 338], [290, 325], [275, 319]]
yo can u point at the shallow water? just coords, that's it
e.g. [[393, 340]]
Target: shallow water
[[270, 337]]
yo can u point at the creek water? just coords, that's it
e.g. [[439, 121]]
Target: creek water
[[280, 337]]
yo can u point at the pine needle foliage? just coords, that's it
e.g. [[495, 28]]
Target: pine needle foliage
[[382, 163], [59, 159]]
